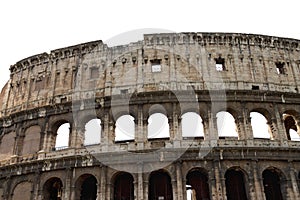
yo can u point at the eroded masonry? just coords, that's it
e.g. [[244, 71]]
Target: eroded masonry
[[151, 120]]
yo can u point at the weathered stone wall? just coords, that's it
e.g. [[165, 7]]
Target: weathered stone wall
[[171, 74]]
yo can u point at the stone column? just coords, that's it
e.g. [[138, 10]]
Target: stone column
[[36, 185], [240, 128], [279, 124], [146, 186], [67, 184], [72, 185], [77, 136], [218, 180], [213, 130], [273, 129], [179, 180], [49, 141], [140, 182], [223, 182], [139, 130], [212, 185], [206, 125], [102, 185], [246, 123], [293, 175], [174, 188], [111, 131], [258, 182], [105, 132]]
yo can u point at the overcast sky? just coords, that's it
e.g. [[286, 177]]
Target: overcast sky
[[30, 27]]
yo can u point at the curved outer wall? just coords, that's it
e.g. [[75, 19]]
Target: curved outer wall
[[91, 80]]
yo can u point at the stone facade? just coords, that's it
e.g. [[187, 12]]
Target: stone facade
[[171, 74]]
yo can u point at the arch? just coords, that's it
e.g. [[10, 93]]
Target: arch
[[123, 186], [192, 125], [52, 189], [160, 186], [226, 125], [158, 126], [260, 127], [22, 191], [291, 127], [62, 136], [7, 145], [86, 187], [197, 187], [31, 142], [125, 128], [235, 184], [92, 133], [272, 184]]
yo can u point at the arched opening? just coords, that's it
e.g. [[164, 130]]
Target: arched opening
[[260, 128], [31, 142], [125, 128], [86, 187], [160, 186], [226, 125], [235, 185], [291, 128], [7, 145], [22, 191], [52, 189], [197, 185], [158, 126], [192, 125], [62, 137], [123, 187], [92, 134], [272, 187]]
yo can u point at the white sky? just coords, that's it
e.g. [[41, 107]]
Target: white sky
[[31, 27]]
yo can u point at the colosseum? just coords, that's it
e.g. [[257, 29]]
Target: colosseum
[[183, 116]]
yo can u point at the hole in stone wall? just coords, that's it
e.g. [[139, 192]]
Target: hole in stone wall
[[125, 128], [192, 125], [280, 67], [155, 65], [226, 125], [220, 64], [259, 125], [92, 134], [255, 87], [158, 126], [62, 137]]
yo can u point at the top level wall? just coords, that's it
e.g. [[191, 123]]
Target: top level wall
[[187, 60]]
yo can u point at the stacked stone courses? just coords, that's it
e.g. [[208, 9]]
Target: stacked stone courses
[[167, 73]]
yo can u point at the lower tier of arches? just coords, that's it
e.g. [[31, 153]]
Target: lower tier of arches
[[211, 179]]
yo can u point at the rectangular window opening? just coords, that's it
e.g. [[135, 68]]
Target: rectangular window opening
[[155, 65], [255, 87], [220, 64], [280, 67]]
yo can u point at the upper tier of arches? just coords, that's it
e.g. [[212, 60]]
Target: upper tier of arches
[[187, 62]]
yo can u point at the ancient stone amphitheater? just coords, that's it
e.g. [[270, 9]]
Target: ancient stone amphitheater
[[185, 116]]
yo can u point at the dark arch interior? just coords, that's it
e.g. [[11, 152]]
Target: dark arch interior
[[53, 189], [235, 185], [271, 181], [89, 188], [197, 182], [123, 187], [289, 123], [160, 186]]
